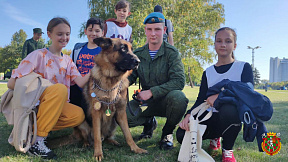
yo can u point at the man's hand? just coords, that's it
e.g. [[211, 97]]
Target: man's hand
[[145, 95], [210, 100]]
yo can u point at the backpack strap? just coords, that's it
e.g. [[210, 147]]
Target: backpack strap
[[166, 26]]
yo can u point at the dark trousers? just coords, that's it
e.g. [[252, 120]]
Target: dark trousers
[[172, 106], [225, 124], [77, 98]]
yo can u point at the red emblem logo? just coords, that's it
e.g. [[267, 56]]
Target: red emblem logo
[[271, 144]]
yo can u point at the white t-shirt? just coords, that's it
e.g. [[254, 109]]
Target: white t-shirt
[[233, 74], [114, 31]]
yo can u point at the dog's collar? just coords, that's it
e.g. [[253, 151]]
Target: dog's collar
[[105, 90], [119, 86]]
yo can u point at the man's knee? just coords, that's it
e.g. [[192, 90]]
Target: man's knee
[[177, 94], [177, 99], [176, 105]]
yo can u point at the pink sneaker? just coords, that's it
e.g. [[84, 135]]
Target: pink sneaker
[[228, 156], [215, 144]]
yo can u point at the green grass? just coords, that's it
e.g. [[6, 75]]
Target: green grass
[[244, 152]]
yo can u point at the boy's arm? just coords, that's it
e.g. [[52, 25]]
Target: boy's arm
[[105, 29], [170, 38], [170, 30]]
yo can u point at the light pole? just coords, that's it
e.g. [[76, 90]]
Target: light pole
[[253, 54]]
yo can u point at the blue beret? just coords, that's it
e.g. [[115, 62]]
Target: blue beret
[[154, 17]]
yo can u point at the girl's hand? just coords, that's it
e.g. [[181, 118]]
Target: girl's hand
[[210, 100], [81, 81], [184, 124], [11, 83]]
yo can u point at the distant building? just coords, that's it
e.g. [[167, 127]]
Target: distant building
[[278, 70]]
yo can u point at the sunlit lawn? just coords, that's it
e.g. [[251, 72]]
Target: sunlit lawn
[[244, 152]]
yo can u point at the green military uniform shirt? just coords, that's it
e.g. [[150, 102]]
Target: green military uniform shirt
[[162, 74], [31, 45]]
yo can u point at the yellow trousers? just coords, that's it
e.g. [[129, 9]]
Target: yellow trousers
[[55, 113]]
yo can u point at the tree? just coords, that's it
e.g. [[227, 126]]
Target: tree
[[256, 76], [8, 58], [194, 21], [10, 55], [192, 73], [18, 38]]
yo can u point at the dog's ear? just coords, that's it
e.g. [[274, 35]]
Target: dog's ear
[[104, 43]]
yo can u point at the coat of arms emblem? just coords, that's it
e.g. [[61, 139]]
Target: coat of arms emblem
[[271, 144]]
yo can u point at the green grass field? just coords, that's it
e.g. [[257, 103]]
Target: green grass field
[[243, 152]]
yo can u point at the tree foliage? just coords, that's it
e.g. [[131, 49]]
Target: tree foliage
[[48, 43], [278, 85], [67, 52], [194, 21], [18, 38], [10, 55], [274, 85], [256, 76]]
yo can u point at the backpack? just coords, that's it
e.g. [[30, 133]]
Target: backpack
[[18, 107]]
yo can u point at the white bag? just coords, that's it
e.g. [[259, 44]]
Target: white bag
[[191, 148]]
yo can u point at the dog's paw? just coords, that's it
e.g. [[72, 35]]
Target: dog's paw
[[139, 151], [98, 156]]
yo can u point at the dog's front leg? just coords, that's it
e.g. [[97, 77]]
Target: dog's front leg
[[123, 123], [96, 118]]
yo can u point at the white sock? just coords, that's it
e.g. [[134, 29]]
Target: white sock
[[39, 138]]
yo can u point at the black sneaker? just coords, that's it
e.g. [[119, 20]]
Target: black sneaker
[[149, 127], [41, 150], [167, 142]]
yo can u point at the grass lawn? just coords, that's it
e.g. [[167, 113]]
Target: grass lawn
[[243, 152]]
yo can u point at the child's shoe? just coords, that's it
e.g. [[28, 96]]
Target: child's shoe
[[215, 144], [228, 156], [40, 149]]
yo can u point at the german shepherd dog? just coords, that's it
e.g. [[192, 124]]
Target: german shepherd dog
[[106, 92]]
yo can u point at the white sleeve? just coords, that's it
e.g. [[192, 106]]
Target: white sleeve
[[169, 26]]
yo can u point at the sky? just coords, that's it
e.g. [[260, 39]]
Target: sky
[[261, 23]]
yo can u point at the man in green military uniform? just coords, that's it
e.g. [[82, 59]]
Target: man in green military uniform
[[162, 78], [33, 43]]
